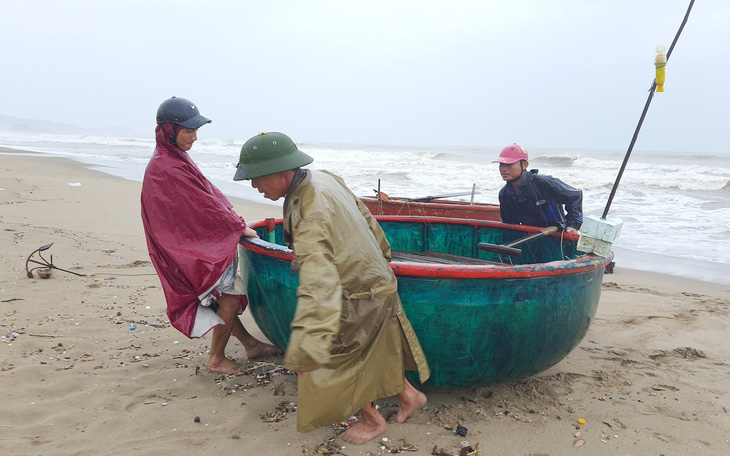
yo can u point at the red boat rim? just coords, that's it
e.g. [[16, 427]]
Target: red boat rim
[[581, 264]]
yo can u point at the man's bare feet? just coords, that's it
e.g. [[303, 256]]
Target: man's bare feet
[[259, 349], [410, 400], [371, 425], [222, 366]]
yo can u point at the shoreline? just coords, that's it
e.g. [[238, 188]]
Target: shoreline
[[89, 364], [106, 168], [706, 271]]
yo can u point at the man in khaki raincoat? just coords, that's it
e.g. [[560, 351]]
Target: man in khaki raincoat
[[350, 339]]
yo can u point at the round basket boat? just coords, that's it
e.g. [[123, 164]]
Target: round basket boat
[[482, 318]]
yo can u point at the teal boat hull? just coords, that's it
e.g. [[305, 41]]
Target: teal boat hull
[[478, 325]]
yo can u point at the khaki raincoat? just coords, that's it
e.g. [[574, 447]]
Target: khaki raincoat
[[349, 332]]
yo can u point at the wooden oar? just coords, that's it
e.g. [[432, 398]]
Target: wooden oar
[[509, 248], [448, 195]]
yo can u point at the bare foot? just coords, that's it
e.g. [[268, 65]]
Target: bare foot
[[259, 349], [410, 400], [223, 366], [371, 425]]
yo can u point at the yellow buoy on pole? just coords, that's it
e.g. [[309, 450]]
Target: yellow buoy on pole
[[660, 62]]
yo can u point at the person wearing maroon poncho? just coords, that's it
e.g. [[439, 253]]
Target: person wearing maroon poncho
[[192, 236]]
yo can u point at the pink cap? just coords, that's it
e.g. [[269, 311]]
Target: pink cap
[[511, 154]]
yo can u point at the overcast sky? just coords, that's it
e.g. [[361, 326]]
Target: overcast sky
[[558, 73]]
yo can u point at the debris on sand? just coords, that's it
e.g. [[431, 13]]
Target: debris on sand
[[280, 414]]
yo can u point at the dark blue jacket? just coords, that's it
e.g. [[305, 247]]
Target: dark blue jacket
[[539, 201]]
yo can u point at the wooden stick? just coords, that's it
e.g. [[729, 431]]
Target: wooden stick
[[142, 322]]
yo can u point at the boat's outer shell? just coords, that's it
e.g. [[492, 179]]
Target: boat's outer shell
[[478, 325]]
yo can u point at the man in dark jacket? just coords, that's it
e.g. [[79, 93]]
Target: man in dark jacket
[[529, 198]]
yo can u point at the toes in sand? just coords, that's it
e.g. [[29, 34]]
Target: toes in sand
[[412, 402], [363, 432], [224, 366], [261, 349]]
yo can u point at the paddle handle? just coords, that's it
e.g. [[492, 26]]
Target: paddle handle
[[509, 248], [530, 237], [426, 199]]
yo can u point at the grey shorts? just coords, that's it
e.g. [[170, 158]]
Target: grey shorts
[[230, 283]]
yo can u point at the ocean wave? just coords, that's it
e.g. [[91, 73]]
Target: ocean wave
[[712, 159], [557, 161], [366, 171], [716, 205], [692, 184], [725, 188], [443, 156]]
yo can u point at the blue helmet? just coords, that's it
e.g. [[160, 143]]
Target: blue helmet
[[182, 112]]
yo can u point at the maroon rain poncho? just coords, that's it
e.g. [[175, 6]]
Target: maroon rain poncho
[[192, 231]]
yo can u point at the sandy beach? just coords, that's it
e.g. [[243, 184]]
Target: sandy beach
[[90, 366]]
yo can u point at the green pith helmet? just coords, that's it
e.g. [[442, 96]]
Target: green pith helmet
[[269, 153]]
